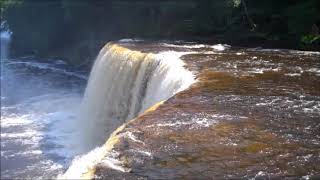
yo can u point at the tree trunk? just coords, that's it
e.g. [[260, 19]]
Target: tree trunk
[[252, 24]]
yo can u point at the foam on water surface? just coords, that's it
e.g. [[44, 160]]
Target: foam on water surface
[[37, 119], [122, 85], [48, 129]]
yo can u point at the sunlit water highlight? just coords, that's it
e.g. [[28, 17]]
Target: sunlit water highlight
[[45, 123], [38, 106]]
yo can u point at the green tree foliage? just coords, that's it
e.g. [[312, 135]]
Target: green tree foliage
[[76, 29], [5, 4]]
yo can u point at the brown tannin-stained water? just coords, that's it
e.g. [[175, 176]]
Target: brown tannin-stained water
[[177, 111], [252, 113]]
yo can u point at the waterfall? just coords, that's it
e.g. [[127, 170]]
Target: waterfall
[[5, 37], [123, 84]]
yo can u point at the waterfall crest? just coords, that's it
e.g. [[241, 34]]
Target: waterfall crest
[[123, 84]]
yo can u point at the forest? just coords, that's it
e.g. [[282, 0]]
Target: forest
[[76, 29], [160, 89]]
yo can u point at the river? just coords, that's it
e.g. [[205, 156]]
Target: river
[[224, 112], [38, 105]]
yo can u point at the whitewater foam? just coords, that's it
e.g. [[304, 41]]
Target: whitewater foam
[[123, 84], [217, 47], [37, 120]]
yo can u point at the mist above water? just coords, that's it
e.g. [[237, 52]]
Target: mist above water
[[122, 85], [46, 123], [38, 104], [5, 39]]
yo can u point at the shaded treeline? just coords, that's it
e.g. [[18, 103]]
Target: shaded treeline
[[77, 29]]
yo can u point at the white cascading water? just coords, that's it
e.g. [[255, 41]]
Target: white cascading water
[[123, 84], [5, 38], [38, 101]]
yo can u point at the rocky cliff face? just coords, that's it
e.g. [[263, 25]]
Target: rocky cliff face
[[252, 113]]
